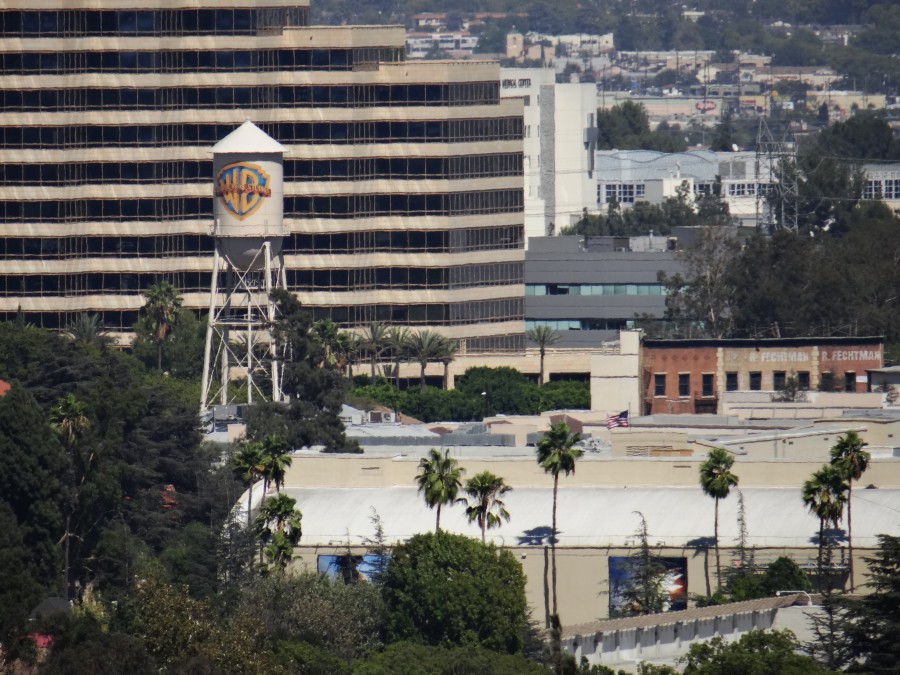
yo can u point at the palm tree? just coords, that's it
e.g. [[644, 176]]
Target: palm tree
[[248, 466], [69, 420], [278, 526], [439, 480], [88, 329], [446, 355], [397, 340], [486, 508], [825, 495], [347, 348], [557, 452], [717, 480], [850, 458], [162, 304], [325, 332], [375, 337], [424, 346], [543, 336], [276, 458]]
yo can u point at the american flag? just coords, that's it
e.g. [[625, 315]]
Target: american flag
[[620, 420]]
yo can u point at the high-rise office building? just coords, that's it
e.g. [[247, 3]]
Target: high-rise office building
[[403, 180]]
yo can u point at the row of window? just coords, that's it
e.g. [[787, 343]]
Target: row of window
[[194, 61], [882, 189], [148, 22], [342, 133], [436, 314], [337, 206], [373, 278], [399, 241], [404, 278], [623, 193], [449, 168], [595, 289], [753, 382], [581, 324], [707, 385], [267, 96]]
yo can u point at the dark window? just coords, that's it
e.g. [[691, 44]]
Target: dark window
[[708, 381], [684, 385], [755, 381], [659, 384], [849, 381], [803, 379], [778, 380]]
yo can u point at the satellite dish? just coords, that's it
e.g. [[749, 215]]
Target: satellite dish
[[734, 147]]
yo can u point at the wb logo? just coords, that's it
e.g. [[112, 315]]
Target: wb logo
[[242, 188]]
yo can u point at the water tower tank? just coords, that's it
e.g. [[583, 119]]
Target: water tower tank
[[248, 188]]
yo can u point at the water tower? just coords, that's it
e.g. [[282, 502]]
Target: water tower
[[248, 211]]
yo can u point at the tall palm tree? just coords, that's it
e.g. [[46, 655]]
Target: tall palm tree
[[557, 452], [717, 480], [543, 336], [375, 340], [68, 418], [824, 494], [276, 458], [852, 461], [162, 303], [486, 508], [446, 355], [278, 527], [248, 466], [347, 348], [325, 332], [439, 480], [422, 347], [397, 340]]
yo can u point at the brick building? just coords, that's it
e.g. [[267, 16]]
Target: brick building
[[690, 376]]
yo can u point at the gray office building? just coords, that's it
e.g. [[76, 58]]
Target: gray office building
[[589, 288]]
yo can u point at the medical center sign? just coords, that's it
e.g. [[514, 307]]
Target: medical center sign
[[242, 188]]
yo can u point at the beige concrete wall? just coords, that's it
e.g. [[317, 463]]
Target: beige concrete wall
[[583, 573], [364, 471]]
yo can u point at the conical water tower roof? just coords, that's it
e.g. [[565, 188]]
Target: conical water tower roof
[[247, 138]]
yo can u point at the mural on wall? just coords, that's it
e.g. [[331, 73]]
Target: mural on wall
[[352, 568], [634, 582]]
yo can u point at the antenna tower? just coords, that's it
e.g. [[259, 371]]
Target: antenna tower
[[776, 169]]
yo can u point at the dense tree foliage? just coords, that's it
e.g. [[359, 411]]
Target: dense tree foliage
[[450, 590], [755, 652], [479, 392], [627, 127]]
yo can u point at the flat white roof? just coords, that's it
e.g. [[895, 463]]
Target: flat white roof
[[594, 516]]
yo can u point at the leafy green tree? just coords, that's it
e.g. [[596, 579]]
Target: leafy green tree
[[645, 593], [543, 336], [852, 461], [315, 393], [716, 480], [755, 652], [486, 508], [20, 591], [872, 625], [557, 453], [824, 494], [278, 528], [162, 303], [446, 589], [343, 620], [501, 390], [248, 465], [439, 481], [406, 658], [88, 329]]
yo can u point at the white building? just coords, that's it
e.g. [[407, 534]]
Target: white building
[[632, 176], [458, 44], [560, 138], [883, 182]]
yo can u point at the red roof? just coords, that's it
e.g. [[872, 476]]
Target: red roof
[[4, 387]]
